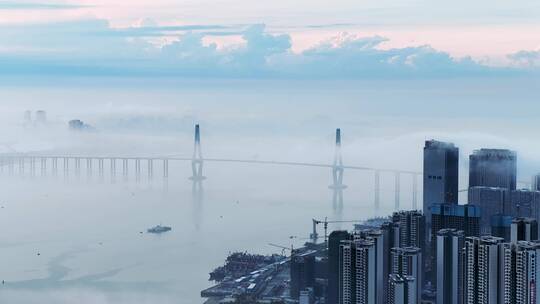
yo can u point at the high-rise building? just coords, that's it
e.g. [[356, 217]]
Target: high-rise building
[[306, 296], [521, 272], [450, 259], [492, 201], [377, 236], [412, 225], [347, 272], [334, 241], [407, 261], [524, 203], [401, 290], [493, 168], [411, 228], [482, 274], [302, 273], [441, 165], [358, 282], [462, 217], [523, 229], [41, 117], [500, 201], [535, 183], [390, 231], [450, 216], [501, 226]]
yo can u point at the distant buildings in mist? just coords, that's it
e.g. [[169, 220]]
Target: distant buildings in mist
[[38, 119], [79, 125]]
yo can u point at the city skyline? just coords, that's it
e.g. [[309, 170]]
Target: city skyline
[[247, 152], [483, 251]]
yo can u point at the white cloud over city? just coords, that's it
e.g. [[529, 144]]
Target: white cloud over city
[[92, 47], [203, 38]]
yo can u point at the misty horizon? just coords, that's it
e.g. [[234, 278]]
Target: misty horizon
[[108, 195]]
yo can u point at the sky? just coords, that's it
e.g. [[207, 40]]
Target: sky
[[303, 39], [400, 67], [266, 80]]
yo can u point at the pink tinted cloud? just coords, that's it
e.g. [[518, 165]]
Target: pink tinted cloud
[[492, 43]]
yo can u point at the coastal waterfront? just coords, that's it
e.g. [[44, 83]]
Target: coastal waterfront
[[88, 235], [94, 245]]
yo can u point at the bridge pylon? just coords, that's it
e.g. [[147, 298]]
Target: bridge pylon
[[197, 162], [337, 185]]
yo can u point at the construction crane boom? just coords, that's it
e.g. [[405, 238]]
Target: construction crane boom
[[283, 248], [314, 235]]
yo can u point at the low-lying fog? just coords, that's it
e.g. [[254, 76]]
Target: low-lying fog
[[78, 239]]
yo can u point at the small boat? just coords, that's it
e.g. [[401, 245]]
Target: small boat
[[159, 229]]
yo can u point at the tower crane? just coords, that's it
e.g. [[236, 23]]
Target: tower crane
[[283, 248], [314, 235]]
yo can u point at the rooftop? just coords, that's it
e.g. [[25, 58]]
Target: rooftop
[[438, 144]]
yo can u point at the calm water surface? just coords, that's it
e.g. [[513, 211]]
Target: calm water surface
[[64, 241]]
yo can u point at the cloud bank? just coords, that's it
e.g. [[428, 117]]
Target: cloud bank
[[526, 59], [92, 47]]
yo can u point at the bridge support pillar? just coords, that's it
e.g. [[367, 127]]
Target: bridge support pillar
[[100, 169], [78, 167], [197, 164], [165, 168], [125, 164], [43, 166], [21, 165], [32, 166], [337, 185], [6, 163], [54, 161], [113, 169], [11, 165], [150, 169], [137, 169], [89, 164], [165, 175], [66, 167]]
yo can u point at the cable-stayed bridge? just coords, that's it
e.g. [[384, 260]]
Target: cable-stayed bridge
[[44, 164]]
